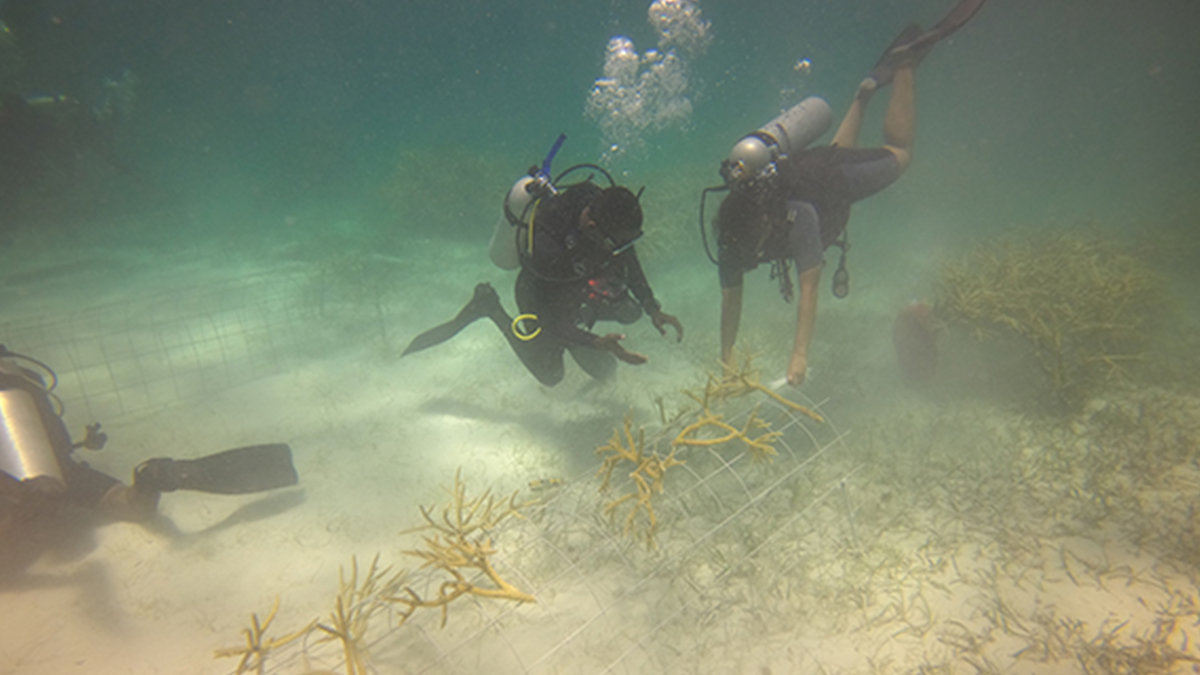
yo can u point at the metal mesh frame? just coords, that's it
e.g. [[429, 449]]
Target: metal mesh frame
[[716, 584], [145, 354]]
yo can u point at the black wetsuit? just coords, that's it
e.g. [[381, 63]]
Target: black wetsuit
[[569, 280], [803, 210]]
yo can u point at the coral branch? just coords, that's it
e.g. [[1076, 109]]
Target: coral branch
[[761, 448], [355, 606], [455, 547], [647, 475], [254, 654]]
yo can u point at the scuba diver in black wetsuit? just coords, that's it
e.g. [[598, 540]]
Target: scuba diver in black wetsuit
[[45, 491], [787, 204], [575, 247]]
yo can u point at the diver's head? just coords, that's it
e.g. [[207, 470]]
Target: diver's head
[[618, 216], [751, 159]]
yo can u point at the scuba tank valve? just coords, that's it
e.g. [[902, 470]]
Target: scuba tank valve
[[756, 154]]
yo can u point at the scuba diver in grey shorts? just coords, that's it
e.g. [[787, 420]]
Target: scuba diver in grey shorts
[[788, 203]]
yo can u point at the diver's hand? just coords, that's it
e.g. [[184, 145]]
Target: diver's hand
[[661, 320], [797, 369], [612, 343]]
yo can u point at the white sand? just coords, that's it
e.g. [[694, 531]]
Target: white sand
[[375, 437]]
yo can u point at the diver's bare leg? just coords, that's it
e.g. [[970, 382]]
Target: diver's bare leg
[[900, 123], [847, 133]]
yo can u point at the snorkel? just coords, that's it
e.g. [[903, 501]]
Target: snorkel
[[544, 173], [531, 187], [540, 183]]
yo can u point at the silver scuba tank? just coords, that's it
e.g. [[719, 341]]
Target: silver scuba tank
[[502, 249], [25, 447], [756, 154], [519, 205]]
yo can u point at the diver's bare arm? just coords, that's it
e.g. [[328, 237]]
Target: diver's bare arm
[[731, 317], [806, 320]]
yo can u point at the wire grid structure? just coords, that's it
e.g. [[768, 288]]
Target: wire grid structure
[[740, 551], [157, 350]]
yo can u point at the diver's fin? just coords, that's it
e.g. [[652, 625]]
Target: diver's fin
[[957, 18], [913, 45], [909, 48], [484, 303], [239, 471]]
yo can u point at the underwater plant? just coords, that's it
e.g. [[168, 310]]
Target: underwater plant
[[1081, 303]]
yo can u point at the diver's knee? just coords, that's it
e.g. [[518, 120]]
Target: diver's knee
[[129, 503], [601, 365], [903, 156], [547, 375]]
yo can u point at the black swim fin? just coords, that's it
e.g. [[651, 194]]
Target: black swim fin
[[913, 44], [484, 303], [234, 472]]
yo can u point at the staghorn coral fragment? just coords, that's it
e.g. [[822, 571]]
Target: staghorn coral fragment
[[461, 543], [647, 475], [356, 604], [761, 447], [254, 654], [740, 382]]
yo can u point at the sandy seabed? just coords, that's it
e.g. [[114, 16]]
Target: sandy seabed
[[922, 535]]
